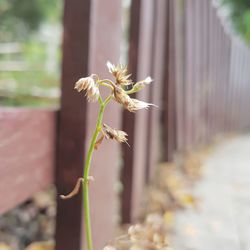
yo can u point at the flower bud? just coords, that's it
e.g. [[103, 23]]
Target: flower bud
[[141, 84]]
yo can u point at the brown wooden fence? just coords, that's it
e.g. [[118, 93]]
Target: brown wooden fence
[[201, 87], [214, 92]]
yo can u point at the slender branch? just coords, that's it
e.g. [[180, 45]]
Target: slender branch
[[109, 83], [132, 91], [108, 99], [106, 85]]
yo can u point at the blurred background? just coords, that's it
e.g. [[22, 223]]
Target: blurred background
[[184, 180], [30, 61], [30, 48]]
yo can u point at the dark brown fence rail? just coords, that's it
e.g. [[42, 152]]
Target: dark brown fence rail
[[201, 86]]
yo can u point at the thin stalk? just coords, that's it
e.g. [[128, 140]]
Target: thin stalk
[[132, 91], [86, 173], [109, 83]]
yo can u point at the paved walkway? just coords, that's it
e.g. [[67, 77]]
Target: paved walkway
[[222, 221]]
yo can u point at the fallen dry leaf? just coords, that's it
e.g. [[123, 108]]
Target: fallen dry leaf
[[4, 246], [41, 246]]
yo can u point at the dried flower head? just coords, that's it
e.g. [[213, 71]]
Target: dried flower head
[[89, 85], [120, 73], [121, 96], [135, 105], [109, 248], [114, 134], [130, 104], [153, 231]]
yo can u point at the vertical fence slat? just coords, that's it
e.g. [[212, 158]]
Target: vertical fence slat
[[180, 72], [172, 130], [105, 44], [158, 62], [77, 120], [169, 88], [128, 118], [212, 50], [196, 73], [204, 70], [72, 122], [136, 125], [189, 76], [227, 61], [231, 89]]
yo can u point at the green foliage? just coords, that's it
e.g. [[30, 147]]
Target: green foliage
[[240, 14], [20, 17], [20, 21], [32, 86], [20, 89]]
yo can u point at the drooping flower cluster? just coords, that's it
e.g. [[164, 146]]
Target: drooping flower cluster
[[122, 79], [89, 85], [120, 94]]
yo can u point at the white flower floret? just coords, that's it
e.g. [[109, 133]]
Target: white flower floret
[[111, 67], [88, 84], [148, 80]]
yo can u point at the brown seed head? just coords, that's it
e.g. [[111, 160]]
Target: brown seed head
[[114, 134], [121, 96], [120, 73], [130, 104]]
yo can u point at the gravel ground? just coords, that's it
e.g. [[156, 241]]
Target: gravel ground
[[32, 221]]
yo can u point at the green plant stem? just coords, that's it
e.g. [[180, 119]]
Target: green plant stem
[[107, 83], [86, 172]]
